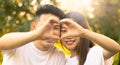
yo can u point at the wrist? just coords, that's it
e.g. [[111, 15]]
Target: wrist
[[34, 34], [85, 32]]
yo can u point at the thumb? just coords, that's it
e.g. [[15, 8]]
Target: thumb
[[54, 37], [65, 35]]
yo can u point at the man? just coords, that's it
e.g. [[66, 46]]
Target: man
[[35, 47]]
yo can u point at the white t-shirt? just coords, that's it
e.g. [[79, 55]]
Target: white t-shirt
[[30, 55], [94, 57]]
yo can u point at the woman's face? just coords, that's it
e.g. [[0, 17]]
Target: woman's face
[[69, 42]]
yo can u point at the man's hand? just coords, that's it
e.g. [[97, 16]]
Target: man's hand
[[45, 30]]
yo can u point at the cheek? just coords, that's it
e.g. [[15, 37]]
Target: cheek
[[62, 41], [56, 32], [77, 41]]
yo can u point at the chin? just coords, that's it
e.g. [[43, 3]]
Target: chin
[[70, 47]]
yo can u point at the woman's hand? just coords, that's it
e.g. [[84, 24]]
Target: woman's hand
[[71, 28]]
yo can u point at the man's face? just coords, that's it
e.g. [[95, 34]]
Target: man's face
[[55, 29], [56, 26]]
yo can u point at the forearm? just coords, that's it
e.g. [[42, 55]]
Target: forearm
[[103, 41], [13, 40]]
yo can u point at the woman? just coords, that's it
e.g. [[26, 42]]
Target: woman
[[77, 37]]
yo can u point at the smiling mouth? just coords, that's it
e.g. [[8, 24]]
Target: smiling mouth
[[69, 43]]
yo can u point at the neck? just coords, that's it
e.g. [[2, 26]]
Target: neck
[[40, 46], [73, 53]]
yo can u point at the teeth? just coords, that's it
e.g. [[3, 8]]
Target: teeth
[[69, 42], [69, 39]]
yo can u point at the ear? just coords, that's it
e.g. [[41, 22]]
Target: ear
[[33, 26]]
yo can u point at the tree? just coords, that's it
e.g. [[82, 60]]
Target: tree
[[107, 21], [16, 15]]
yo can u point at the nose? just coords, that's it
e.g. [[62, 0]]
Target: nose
[[56, 29]]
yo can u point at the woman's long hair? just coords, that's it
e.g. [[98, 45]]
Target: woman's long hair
[[84, 45]]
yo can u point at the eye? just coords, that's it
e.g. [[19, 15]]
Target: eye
[[56, 27], [63, 31]]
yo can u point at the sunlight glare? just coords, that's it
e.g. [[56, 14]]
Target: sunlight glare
[[86, 2], [76, 4], [45, 2], [84, 6], [33, 2], [90, 15]]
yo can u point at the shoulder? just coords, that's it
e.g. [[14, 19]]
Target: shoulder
[[95, 56], [96, 49], [12, 51]]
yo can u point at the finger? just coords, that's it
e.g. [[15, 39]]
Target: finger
[[54, 20], [53, 37], [51, 20], [65, 35], [66, 20]]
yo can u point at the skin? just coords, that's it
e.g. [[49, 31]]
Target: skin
[[44, 33], [51, 34], [71, 32], [47, 31]]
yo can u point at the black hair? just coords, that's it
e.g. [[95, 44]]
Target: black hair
[[47, 8]]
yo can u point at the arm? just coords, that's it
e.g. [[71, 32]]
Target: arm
[[110, 46], [13, 40]]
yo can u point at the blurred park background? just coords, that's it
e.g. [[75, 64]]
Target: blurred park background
[[103, 16]]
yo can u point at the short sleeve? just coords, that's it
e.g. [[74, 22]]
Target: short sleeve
[[95, 56], [8, 52], [109, 61]]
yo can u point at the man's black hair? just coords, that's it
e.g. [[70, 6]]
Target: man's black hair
[[47, 8]]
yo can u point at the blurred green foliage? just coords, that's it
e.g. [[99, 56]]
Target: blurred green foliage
[[16, 15], [107, 18], [107, 21], [117, 59]]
